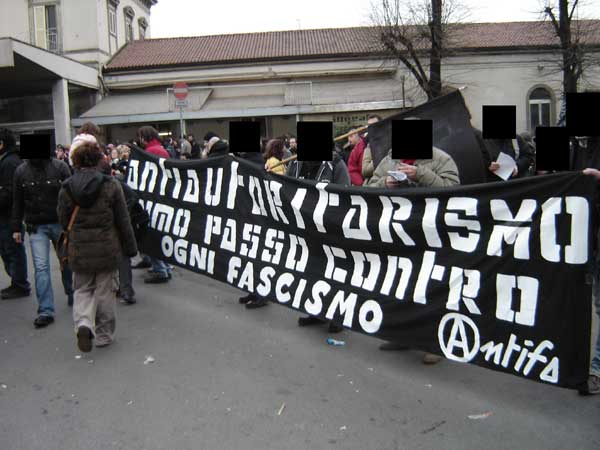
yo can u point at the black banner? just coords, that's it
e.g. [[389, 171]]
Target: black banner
[[491, 274], [452, 132]]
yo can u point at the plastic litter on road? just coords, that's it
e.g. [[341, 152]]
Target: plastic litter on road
[[335, 342], [480, 416], [281, 409], [149, 360]]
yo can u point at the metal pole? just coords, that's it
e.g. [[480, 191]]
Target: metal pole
[[181, 130]]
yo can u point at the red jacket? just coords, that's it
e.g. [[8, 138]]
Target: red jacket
[[355, 163], [154, 147]]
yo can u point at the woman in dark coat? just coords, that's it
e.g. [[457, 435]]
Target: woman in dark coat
[[101, 234]]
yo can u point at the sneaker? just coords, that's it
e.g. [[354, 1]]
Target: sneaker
[[154, 278], [246, 299], [257, 302], [42, 321], [335, 328], [6, 289], [152, 272], [392, 347], [84, 339], [142, 264], [14, 292], [430, 359], [103, 343], [591, 387], [309, 320]]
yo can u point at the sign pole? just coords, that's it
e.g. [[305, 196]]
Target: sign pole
[[181, 126]]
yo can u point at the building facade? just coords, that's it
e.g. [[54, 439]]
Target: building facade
[[338, 75], [53, 53]]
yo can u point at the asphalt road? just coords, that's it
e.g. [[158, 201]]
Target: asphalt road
[[228, 378]]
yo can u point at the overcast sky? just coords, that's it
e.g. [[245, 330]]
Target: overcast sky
[[172, 18]]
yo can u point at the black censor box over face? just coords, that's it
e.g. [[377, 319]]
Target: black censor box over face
[[582, 113], [244, 137], [412, 139], [489, 274], [499, 121], [315, 141], [552, 148], [35, 146]]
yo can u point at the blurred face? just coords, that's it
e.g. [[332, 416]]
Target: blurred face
[[353, 139], [293, 143], [114, 154], [372, 120], [125, 154]]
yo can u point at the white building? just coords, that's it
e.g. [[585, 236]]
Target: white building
[[51, 57], [278, 78]]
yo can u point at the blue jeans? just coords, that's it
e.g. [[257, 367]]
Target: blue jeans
[[595, 367], [159, 267], [14, 258], [40, 251]]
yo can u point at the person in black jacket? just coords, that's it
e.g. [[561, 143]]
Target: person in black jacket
[[335, 172], [518, 149], [36, 186], [13, 254]]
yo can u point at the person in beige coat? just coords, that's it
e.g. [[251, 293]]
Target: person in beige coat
[[439, 171]]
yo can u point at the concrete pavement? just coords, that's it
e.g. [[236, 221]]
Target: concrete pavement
[[228, 378]]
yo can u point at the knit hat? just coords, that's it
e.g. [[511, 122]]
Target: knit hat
[[79, 140], [213, 140]]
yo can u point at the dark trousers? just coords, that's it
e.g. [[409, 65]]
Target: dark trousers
[[14, 257], [125, 283]]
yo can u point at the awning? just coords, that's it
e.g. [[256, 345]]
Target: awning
[[28, 70], [215, 102]]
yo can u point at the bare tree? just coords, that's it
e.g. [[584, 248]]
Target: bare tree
[[412, 30], [575, 58]]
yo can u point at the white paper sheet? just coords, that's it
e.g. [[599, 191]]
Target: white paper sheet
[[507, 165]]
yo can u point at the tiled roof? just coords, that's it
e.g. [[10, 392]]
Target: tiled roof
[[323, 43]]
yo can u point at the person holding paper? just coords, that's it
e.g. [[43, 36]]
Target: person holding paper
[[518, 149]]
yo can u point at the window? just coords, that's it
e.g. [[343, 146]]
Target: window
[[129, 14], [540, 108], [113, 42], [143, 25], [112, 20], [45, 22]]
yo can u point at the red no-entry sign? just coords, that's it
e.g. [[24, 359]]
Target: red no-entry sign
[[180, 90]]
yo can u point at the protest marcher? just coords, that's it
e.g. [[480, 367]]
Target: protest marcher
[[585, 155], [185, 146], [592, 386], [216, 147], [440, 171], [335, 172], [367, 162], [355, 160], [292, 149], [149, 139], [100, 235], [195, 152], [274, 155], [125, 290], [36, 186], [518, 149], [13, 254]]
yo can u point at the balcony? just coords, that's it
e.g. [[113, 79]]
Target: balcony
[[52, 40]]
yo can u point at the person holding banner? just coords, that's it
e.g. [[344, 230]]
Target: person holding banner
[[149, 139], [335, 172], [440, 171], [592, 386]]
